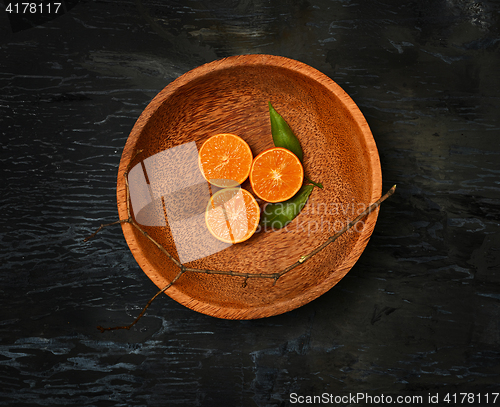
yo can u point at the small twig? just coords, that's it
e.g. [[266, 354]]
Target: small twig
[[145, 308], [317, 184], [274, 276], [105, 225], [332, 239]]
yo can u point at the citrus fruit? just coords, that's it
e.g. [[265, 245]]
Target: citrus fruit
[[276, 175], [225, 160], [232, 215]]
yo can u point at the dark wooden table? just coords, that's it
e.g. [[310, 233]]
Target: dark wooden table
[[417, 316]]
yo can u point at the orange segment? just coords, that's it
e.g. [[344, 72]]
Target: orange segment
[[232, 215], [276, 175], [225, 160]]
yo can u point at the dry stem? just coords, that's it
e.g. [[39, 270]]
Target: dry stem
[[145, 308], [246, 276], [104, 225]]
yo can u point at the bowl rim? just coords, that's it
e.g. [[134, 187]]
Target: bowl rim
[[275, 308]]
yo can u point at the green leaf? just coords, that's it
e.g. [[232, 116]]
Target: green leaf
[[283, 136]]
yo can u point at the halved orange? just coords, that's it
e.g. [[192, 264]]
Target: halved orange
[[232, 215], [276, 175], [225, 160]]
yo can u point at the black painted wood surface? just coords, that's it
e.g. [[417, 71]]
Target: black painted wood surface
[[419, 313]]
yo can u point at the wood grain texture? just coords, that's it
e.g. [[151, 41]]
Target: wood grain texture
[[230, 96]]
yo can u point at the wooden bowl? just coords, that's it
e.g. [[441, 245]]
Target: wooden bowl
[[231, 96]]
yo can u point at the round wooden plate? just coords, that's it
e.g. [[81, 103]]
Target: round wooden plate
[[167, 197]]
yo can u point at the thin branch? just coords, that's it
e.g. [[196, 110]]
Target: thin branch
[[105, 225], [317, 184], [145, 308], [306, 257], [332, 239], [274, 276]]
